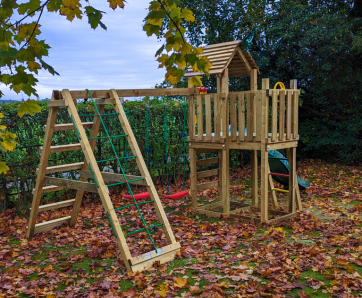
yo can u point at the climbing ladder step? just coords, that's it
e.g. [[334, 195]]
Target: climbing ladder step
[[164, 254], [116, 177], [63, 148], [51, 224], [58, 205], [208, 173], [63, 168], [69, 126], [50, 188], [71, 184], [208, 161], [208, 185]]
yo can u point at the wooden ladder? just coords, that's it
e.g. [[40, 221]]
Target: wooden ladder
[[89, 169]]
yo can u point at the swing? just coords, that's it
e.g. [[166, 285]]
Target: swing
[[184, 193], [142, 195]]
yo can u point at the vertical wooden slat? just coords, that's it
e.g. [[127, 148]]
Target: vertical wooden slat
[[265, 86], [281, 115], [217, 119], [264, 162], [208, 121], [295, 113], [289, 114], [224, 109], [241, 116], [233, 114], [200, 118], [292, 179], [274, 116], [191, 100], [249, 115], [258, 116], [193, 177]]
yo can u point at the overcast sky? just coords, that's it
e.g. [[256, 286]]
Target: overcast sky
[[123, 57]]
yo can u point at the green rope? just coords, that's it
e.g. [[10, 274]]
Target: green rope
[[184, 139], [147, 134], [130, 205], [120, 166]]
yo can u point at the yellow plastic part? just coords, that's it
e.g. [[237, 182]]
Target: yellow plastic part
[[280, 84], [281, 190]]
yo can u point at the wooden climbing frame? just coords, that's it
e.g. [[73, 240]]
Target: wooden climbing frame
[[90, 169]]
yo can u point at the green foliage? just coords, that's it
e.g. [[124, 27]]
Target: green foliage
[[316, 42]]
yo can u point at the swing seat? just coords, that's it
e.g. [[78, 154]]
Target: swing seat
[[177, 195], [142, 195]]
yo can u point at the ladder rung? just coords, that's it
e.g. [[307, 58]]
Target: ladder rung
[[69, 126], [208, 173], [208, 185], [63, 148], [50, 188], [281, 190], [208, 161], [143, 229], [63, 168], [72, 184], [53, 206], [49, 225]]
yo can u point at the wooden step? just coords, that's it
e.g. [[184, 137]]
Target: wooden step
[[71, 184], [49, 225], [208, 173], [50, 188], [208, 161], [58, 205], [63, 168], [69, 126], [208, 185], [63, 148]]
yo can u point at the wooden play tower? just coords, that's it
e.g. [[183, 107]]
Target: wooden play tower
[[255, 120]]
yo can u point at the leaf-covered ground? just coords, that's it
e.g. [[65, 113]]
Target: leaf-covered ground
[[317, 254]]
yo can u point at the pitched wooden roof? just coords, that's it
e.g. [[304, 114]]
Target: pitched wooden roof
[[228, 55]]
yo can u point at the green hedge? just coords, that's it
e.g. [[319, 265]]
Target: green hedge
[[16, 186]]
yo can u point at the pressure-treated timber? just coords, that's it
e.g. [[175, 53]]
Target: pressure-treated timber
[[67, 99], [208, 173], [207, 185]]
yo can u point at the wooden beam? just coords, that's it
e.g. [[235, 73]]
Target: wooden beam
[[63, 168], [69, 126], [78, 94], [115, 177], [208, 185], [49, 225], [243, 58], [208, 173], [53, 206], [71, 184], [50, 188], [208, 161], [63, 148]]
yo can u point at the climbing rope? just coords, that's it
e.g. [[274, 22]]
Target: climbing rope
[[126, 181]]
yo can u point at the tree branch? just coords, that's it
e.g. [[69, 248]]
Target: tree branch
[[178, 29]]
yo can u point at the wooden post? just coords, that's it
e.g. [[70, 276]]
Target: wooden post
[[264, 161], [292, 178], [254, 153], [193, 177]]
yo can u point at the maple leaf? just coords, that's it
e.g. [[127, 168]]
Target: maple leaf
[[188, 15], [195, 81], [30, 106], [116, 3], [3, 167], [180, 282]]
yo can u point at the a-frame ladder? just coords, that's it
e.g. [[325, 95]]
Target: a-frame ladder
[[89, 169]]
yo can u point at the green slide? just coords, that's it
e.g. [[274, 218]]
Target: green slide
[[279, 164]]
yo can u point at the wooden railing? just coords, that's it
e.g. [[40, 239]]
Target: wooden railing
[[238, 117]]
